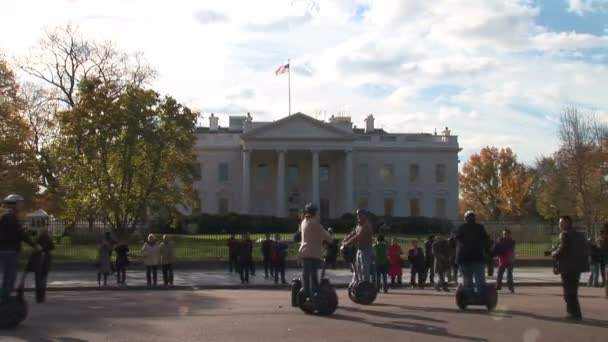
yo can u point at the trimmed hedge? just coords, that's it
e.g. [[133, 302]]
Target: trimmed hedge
[[236, 223]]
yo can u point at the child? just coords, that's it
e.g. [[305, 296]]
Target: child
[[416, 258], [104, 260], [151, 252], [505, 249], [279, 255], [167, 259], [122, 261], [40, 262], [394, 255], [382, 262], [441, 252]]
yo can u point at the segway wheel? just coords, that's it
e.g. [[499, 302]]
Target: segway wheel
[[491, 297], [306, 306], [461, 298], [328, 301], [295, 289], [364, 293], [351, 293], [12, 313]]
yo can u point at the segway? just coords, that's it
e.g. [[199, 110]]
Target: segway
[[324, 304], [362, 292], [469, 297]]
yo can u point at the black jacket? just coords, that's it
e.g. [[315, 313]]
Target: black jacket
[[572, 254], [245, 250], [416, 257], [428, 249], [40, 261], [266, 248], [12, 233], [472, 244]]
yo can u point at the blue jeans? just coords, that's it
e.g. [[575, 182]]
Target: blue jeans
[[363, 265], [8, 264], [473, 275], [310, 276]]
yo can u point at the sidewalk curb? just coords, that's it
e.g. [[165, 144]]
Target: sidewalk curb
[[239, 287]]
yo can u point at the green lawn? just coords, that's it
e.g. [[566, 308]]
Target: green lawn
[[213, 247]]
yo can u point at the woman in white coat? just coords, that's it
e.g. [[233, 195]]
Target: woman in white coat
[[151, 251]]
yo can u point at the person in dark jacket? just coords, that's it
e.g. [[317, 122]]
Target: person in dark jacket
[[429, 260], [122, 261], [40, 262], [594, 263], [233, 246], [279, 257], [331, 254], [416, 258], [603, 247], [267, 258], [572, 256], [441, 252], [472, 242], [453, 271], [505, 250], [245, 257], [11, 235]]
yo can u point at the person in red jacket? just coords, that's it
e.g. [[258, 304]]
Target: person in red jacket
[[396, 264], [505, 249]]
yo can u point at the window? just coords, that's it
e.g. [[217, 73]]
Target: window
[[414, 172], [389, 204], [324, 173], [199, 172], [292, 175], [387, 173], [440, 173], [223, 172], [362, 175], [222, 205], [414, 207], [440, 208], [263, 172], [362, 202]]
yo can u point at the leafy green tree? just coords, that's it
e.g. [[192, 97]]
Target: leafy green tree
[[126, 155]]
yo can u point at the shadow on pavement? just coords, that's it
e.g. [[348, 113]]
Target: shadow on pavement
[[409, 327], [391, 314]]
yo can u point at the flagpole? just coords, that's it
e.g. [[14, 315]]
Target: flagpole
[[289, 84]]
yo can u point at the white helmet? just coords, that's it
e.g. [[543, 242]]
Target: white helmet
[[13, 199]]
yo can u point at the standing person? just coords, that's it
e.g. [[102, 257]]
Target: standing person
[[40, 263], [104, 259], [416, 258], [151, 251], [122, 261], [429, 260], [396, 268], [490, 257], [331, 254], [266, 254], [314, 238], [245, 258], [603, 246], [382, 262], [441, 251], [505, 250], [11, 235], [167, 259], [362, 238], [233, 246], [472, 243], [453, 271], [279, 257], [594, 263], [572, 256]]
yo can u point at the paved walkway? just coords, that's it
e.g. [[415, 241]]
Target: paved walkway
[[222, 279]]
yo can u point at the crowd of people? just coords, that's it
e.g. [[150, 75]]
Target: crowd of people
[[241, 260]]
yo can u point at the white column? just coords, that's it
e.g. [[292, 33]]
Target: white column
[[281, 197], [349, 191], [246, 191], [315, 178]]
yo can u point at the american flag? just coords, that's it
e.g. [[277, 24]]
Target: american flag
[[282, 69]]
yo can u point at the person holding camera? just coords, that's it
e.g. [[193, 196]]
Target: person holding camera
[[572, 256]]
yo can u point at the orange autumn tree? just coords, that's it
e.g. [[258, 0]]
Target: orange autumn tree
[[495, 185]]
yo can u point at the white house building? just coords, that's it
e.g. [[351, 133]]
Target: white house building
[[275, 168]]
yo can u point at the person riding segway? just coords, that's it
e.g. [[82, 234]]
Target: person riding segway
[[361, 290], [307, 293], [13, 310], [472, 241]]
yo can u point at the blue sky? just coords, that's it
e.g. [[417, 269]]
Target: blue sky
[[496, 72]]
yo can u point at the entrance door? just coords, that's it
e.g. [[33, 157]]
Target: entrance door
[[324, 209]]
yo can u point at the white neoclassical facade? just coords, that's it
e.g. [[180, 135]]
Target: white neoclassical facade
[[274, 168]]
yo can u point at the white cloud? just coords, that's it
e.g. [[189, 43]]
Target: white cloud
[[580, 7], [220, 57]]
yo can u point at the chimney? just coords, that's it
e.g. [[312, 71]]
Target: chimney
[[213, 123], [369, 124]]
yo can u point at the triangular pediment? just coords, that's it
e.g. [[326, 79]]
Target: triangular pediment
[[298, 126]]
